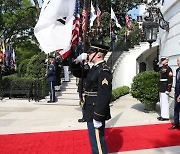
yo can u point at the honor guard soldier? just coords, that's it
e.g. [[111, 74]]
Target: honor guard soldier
[[51, 76], [165, 84], [98, 91]]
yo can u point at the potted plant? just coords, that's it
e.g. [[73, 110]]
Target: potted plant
[[145, 89]]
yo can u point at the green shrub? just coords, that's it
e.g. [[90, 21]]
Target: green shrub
[[118, 92], [145, 87], [39, 86], [22, 67], [36, 67]]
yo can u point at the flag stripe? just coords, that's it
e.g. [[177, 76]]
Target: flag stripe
[[84, 17], [128, 22], [75, 30]]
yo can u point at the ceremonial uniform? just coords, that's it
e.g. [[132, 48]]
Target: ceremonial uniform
[[51, 76], [165, 84], [98, 91]]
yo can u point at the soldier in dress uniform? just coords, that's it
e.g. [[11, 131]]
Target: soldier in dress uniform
[[51, 76], [98, 91], [165, 84]]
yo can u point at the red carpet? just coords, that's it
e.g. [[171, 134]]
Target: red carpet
[[76, 142]]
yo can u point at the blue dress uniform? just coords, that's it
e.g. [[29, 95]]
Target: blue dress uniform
[[51, 76], [98, 92], [165, 84]]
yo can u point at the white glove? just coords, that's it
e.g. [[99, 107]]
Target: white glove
[[46, 60], [167, 92], [81, 57], [97, 124]]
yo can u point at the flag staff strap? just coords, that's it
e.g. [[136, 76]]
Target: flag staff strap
[[84, 46]]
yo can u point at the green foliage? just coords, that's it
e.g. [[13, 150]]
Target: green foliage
[[118, 92], [22, 68], [18, 20], [135, 34], [39, 88], [36, 67], [25, 50], [145, 87]]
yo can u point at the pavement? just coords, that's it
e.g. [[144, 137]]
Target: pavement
[[20, 116]]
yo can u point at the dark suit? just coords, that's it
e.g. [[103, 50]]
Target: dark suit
[[177, 93], [51, 75], [98, 91]]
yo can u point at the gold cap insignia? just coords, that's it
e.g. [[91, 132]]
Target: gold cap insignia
[[105, 81]]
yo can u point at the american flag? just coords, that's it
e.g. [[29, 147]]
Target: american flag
[[84, 17], [98, 15], [75, 31], [128, 22], [76, 23]]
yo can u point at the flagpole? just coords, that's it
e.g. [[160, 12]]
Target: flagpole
[[86, 26]]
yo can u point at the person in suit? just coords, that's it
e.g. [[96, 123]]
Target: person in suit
[[165, 84], [98, 92], [51, 77], [177, 97]]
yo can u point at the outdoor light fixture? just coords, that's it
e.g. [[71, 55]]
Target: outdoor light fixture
[[152, 22]]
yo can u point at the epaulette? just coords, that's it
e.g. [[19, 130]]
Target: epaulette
[[105, 68]]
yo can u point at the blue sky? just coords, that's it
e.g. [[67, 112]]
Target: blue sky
[[134, 13]]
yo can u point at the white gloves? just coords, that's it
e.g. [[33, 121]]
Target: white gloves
[[46, 60], [81, 57], [167, 92], [97, 124]]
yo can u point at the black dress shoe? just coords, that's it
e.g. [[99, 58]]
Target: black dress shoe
[[163, 119], [174, 127], [51, 101], [81, 120], [159, 118]]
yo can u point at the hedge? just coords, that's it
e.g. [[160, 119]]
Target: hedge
[[120, 91]]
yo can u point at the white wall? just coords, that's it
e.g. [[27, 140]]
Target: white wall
[[126, 66], [170, 41]]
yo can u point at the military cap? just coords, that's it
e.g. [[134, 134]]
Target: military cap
[[94, 47], [164, 58], [51, 56]]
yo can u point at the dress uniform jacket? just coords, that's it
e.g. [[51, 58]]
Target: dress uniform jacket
[[98, 91], [51, 74], [166, 79]]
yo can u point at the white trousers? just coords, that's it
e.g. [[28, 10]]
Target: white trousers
[[164, 105], [66, 73]]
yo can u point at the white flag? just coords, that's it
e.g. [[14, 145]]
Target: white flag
[[92, 15], [113, 16], [54, 27]]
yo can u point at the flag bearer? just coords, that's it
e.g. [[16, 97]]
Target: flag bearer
[[98, 90]]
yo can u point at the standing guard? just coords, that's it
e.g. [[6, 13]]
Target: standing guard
[[98, 91], [165, 84], [51, 76]]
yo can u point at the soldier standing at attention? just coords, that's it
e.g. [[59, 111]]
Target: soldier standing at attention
[[165, 84], [51, 76], [98, 91]]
